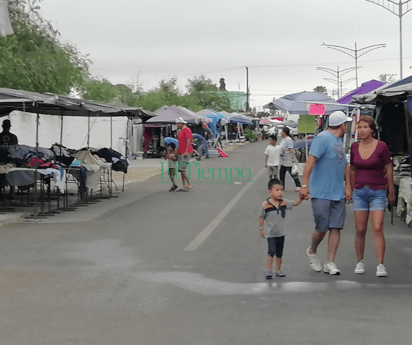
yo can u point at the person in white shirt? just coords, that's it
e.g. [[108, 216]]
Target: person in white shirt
[[272, 158], [287, 158]]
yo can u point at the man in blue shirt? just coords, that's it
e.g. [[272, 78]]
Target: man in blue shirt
[[203, 146], [326, 167]]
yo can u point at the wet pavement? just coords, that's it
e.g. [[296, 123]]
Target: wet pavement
[[125, 271]]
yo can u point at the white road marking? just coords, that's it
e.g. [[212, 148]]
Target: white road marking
[[204, 234]]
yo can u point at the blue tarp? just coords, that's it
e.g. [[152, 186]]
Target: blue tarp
[[214, 116], [169, 140], [239, 119]]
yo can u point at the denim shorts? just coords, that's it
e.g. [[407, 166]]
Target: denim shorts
[[368, 199], [329, 214]]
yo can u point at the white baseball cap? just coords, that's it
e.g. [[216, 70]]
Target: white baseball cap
[[180, 120], [337, 118]]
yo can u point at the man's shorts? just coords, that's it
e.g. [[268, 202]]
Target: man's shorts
[[172, 172], [368, 199], [182, 163], [329, 214], [273, 170]]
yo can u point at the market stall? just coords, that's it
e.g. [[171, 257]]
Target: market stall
[[51, 104]]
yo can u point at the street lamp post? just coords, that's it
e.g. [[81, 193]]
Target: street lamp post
[[337, 74], [355, 53], [247, 89], [404, 7]]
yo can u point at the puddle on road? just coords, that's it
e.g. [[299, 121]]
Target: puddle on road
[[198, 283], [109, 258]]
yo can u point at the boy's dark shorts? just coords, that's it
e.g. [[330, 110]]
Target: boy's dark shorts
[[172, 172], [329, 214], [275, 246]]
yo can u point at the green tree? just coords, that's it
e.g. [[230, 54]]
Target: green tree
[[207, 95], [321, 89], [386, 77], [33, 59]]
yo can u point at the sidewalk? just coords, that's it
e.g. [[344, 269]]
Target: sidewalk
[[139, 171]]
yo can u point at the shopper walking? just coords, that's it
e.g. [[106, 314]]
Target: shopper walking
[[272, 157], [371, 181], [325, 168], [287, 158], [185, 152]]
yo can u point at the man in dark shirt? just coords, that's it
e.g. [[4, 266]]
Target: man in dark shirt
[[6, 139]]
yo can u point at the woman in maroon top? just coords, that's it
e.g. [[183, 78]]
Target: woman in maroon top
[[371, 177]]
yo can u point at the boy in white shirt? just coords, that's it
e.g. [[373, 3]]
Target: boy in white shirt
[[272, 159]]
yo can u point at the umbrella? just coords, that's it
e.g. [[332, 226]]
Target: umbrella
[[169, 115], [297, 103]]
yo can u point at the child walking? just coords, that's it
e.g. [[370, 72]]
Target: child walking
[[272, 158], [171, 157], [272, 224]]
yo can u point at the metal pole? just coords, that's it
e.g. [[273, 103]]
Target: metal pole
[[36, 163], [61, 135], [400, 38], [356, 64], [88, 130], [247, 89], [111, 132], [337, 81]]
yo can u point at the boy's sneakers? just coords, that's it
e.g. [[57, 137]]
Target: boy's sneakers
[[360, 267], [280, 274], [314, 262], [330, 268], [269, 275], [381, 271]]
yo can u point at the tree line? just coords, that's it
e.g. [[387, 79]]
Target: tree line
[[35, 59]]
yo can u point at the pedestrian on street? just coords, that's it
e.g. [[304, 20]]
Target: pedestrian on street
[[272, 224], [171, 158], [287, 157], [325, 168], [203, 146], [371, 176], [185, 152], [272, 157], [207, 132]]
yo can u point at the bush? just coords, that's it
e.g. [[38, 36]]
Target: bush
[[249, 134]]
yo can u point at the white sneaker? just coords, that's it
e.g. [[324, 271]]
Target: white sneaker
[[330, 268], [314, 262], [360, 267], [381, 271]]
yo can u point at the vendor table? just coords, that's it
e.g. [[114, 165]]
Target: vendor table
[[20, 177], [405, 198]]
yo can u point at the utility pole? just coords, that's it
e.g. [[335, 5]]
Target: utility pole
[[337, 74], [355, 53], [404, 6], [247, 89]]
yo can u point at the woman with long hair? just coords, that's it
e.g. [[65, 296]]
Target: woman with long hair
[[371, 182]]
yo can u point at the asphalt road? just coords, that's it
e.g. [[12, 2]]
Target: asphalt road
[[153, 267]]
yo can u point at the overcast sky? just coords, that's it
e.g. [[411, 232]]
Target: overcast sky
[[279, 40]]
